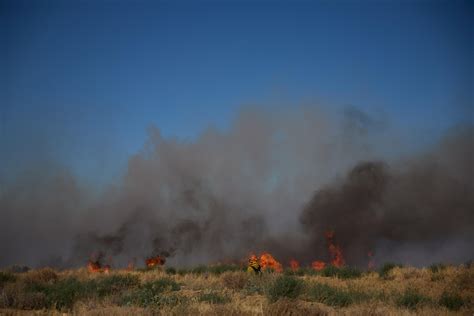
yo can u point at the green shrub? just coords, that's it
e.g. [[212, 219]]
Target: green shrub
[[199, 269], [306, 271], [437, 267], [328, 271], [171, 300], [258, 283], [411, 299], [386, 268], [111, 284], [6, 277], [254, 286], [342, 272], [43, 275], [285, 286], [152, 293], [63, 293], [300, 272], [170, 270], [182, 271], [213, 298], [221, 268], [15, 295], [349, 273], [235, 280], [329, 295], [162, 285], [451, 301]]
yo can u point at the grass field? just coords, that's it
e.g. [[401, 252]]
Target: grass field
[[227, 290]]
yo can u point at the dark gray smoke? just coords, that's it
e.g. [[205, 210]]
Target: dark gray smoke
[[226, 194], [418, 207]]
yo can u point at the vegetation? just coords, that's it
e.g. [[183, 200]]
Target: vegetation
[[214, 298], [451, 301], [332, 296], [225, 289], [386, 268], [437, 267], [151, 294], [6, 277], [285, 286], [411, 298]]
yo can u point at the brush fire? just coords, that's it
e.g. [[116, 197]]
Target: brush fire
[[155, 261], [96, 267], [264, 262]]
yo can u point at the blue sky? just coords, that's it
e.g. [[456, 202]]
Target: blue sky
[[81, 81]]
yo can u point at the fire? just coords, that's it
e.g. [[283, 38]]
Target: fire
[[318, 265], [106, 269], [294, 265], [94, 266], [335, 251], [155, 261], [268, 262]]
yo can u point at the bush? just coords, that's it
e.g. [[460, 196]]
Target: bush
[[150, 293], [255, 285], [411, 299], [349, 273], [44, 275], [213, 298], [451, 301], [386, 268], [300, 272], [6, 277], [18, 269], [111, 284], [328, 295], [199, 269], [221, 268], [170, 270], [162, 285], [285, 286], [15, 295], [35, 295], [182, 271], [63, 293], [342, 273], [292, 307], [235, 280], [437, 267]]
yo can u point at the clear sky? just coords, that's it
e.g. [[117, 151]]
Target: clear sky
[[81, 81]]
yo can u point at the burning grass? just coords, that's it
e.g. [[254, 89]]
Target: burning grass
[[226, 289]]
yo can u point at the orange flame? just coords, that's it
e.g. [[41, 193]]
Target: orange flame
[[155, 261], [318, 265], [268, 262], [335, 251], [94, 266], [253, 257], [106, 269], [294, 265]]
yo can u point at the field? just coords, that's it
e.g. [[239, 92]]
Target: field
[[228, 290]]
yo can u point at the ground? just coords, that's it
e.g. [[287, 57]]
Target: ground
[[217, 290]]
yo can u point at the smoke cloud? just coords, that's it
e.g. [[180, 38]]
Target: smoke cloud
[[275, 181]]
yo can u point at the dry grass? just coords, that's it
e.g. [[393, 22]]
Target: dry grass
[[402, 291]]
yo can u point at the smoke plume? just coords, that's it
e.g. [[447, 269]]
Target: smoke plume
[[273, 182]]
